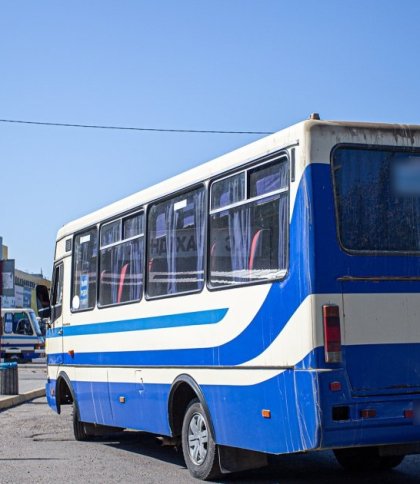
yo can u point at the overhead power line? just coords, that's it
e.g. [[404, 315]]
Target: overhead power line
[[131, 128]]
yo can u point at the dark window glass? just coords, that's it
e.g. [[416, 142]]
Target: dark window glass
[[248, 243], [228, 191], [267, 179], [111, 233], [133, 226], [121, 264], [84, 270], [176, 245], [8, 323], [57, 293], [377, 199], [20, 324]]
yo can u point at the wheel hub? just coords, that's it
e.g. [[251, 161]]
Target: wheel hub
[[197, 439]]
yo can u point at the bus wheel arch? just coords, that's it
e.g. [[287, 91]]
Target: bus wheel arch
[[64, 391], [183, 391], [188, 410]]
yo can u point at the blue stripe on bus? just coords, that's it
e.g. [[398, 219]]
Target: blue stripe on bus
[[211, 316], [313, 225]]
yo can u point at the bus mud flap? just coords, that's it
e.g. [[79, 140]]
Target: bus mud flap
[[232, 459]]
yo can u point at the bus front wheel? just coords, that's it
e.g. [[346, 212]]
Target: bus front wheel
[[361, 459], [198, 446], [80, 429]]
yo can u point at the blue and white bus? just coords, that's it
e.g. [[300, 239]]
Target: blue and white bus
[[266, 302], [20, 336]]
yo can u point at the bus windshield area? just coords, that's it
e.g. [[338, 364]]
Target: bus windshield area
[[377, 194], [35, 323]]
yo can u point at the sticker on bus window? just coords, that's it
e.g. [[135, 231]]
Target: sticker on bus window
[[84, 239], [84, 290], [179, 205]]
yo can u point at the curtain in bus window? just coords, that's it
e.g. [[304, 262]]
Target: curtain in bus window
[[378, 199], [111, 233], [249, 243], [228, 191], [176, 245], [133, 226], [267, 179], [200, 221], [171, 217], [239, 223], [121, 274]]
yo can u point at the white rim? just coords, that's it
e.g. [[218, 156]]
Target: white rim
[[197, 439]]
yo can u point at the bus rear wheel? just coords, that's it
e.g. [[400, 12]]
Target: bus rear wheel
[[366, 459], [198, 446]]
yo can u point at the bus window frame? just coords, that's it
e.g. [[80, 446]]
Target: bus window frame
[[178, 193], [371, 147], [59, 265], [266, 160], [85, 229], [122, 217]]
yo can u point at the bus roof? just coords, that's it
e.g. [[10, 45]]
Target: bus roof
[[293, 135]]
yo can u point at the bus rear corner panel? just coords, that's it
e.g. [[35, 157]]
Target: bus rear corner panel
[[277, 416], [390, 421]]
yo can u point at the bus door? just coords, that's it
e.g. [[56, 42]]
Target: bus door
[[377, 193], [381, 334], [55, 345]]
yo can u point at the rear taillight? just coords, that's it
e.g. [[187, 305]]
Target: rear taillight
[[332, 333]]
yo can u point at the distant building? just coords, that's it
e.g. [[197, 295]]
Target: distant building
[[24, 286]]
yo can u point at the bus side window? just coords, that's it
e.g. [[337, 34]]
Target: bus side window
[[176, 245], [8, 323], [249, 225], [84, 270], [121, 260], [57, 293]]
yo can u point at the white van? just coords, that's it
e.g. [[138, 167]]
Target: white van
[[21, 337]]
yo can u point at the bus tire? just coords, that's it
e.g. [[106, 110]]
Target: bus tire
[[363, 459], [80, 431], [198, 445]]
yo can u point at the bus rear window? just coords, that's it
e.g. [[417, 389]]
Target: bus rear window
[[377, 195]]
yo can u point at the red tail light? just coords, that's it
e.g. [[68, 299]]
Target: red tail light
[[332, 333]]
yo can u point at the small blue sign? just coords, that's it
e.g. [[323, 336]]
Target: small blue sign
[[84, 290]]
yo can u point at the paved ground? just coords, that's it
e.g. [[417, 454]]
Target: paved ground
[[37, 446], [32, 377]]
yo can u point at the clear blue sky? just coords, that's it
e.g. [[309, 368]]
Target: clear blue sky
[[199, 64]]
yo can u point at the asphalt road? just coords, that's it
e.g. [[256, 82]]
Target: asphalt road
[[37, 446]]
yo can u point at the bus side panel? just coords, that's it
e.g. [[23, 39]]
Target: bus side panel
[[236, 411], [291, 398], [93, 399], [124, 405]]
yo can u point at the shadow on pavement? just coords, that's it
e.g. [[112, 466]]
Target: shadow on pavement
[[319, 467]]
